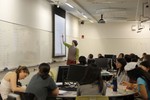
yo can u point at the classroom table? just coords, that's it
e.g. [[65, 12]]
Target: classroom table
[[121, 94]]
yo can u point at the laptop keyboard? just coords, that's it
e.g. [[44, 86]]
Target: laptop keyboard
[[68, 88]]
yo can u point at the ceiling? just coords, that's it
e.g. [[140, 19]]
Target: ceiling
[[112, 10]]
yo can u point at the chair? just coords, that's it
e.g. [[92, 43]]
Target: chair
[[52, 75], [92, 97], [26, 96], [0, 97], [13, 96]]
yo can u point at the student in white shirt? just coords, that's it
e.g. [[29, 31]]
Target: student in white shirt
[[10, 80]]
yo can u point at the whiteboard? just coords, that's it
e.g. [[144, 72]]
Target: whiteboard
[[22, 45]]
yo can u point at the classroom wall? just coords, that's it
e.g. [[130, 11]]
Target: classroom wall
[[26, 32], [113, 38], [26, 35]]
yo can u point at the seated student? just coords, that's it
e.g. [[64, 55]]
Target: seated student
[[145, 65], [142, 79], [121, 74], [10, 80], [90, 59], [82, 60], [92, 83], [42, 85]]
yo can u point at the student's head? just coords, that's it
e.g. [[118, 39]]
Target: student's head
[[82, 60], [145, 65], [127, 58], [120, 63], [144, 54], [121, 55], [44, 69], [133, 57], [100, 56], [74, 42], [90, 56], [22, 72]]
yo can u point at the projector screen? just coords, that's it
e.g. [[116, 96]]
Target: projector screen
[[59, 30]]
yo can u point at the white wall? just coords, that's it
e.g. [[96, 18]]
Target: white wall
[[26, 32], [34, 13], [113, 38], [72, 29]]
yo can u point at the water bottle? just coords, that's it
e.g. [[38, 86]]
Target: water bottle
[[115, 84]]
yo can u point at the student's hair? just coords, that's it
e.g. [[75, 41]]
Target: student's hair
[[82, 60], [145, 63], [44, 69], [22, 68], [121, 54], [144, 54], [92, 75], [100, 56], [19, 69], [123, 62], [134, 57], [135, 73], [90, 56], [127, 58]]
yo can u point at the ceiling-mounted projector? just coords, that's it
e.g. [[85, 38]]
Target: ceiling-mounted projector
[[101, 20]]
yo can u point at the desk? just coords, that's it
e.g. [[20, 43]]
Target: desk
[[106, 75], [121, 94], [68, 94]]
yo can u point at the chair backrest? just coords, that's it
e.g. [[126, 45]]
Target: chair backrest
[[92, 97], [26, 96], [13, 96], [0, 97]]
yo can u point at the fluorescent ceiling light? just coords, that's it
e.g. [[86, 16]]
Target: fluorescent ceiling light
[[91, 21], [69, 5], [84, 16]]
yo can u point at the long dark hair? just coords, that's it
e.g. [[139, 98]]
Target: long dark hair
[[92, 75], [145, 63], [44, 69], [135, 73], [123, 62], [19, 69]]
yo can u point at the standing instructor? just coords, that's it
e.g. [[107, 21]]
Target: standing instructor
[[73, 52]]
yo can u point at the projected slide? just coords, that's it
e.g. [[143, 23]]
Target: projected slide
[[59, 32]]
